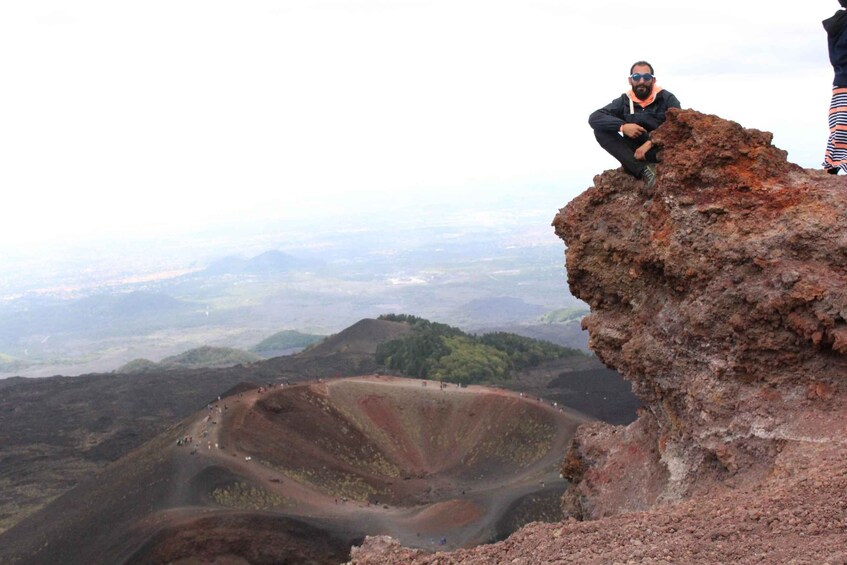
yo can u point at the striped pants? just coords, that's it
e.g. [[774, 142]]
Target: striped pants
[[836, 146]]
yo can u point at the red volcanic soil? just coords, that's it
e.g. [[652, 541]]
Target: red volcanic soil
[[402, 456], [242, 538], [301, 473], [395, 441]]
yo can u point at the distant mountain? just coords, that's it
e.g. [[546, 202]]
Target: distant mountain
[[199, 358], [269, 262], [566, 334], [363, 337], [282, 343], [500, 310], [113, 313], [565, 315], [139, 366]]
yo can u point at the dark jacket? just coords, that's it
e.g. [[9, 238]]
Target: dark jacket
[[837, 39], [615, 114]]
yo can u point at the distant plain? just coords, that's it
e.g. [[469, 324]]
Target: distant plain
[[93, 308]]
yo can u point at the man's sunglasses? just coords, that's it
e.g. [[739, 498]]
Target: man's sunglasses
[[636, 77]]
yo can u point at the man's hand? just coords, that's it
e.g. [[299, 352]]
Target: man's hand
[[632, 130], [641, 152]]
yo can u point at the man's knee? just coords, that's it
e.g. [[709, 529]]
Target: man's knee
[[604, 137], [612, 142], [621, 148]]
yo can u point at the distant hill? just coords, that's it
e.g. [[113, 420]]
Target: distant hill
[[284, 342], [139, 366], [268, 262], [566, 334], [281, 343], [565, 315], [199, 358], [119, 313], [362, 338], [499, 310]]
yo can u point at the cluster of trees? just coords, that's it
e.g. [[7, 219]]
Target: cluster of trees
[[525, 352], [438, 351]]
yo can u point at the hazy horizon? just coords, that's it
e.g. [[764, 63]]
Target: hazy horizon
[[173, 118], [92, 309]]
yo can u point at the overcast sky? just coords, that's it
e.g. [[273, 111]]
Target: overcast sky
[[120, 118]]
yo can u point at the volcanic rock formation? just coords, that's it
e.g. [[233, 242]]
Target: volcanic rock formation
[[721, 296]]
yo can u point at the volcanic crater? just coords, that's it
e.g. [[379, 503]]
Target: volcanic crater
[[408, 455], [430, 465], [302, 472], [402, 444]]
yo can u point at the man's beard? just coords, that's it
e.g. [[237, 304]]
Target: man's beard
[[642, 91]]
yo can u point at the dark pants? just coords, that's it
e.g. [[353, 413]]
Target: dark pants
[[623, 149]]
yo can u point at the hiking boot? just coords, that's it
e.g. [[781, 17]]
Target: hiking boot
[[648, 175], [833, 170]]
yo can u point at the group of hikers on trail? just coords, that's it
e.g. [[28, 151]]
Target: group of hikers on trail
[[624, 126]]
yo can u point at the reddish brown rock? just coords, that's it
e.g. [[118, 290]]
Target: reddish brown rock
[[722, 297], [797, 517]]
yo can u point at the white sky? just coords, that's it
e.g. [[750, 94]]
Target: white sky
[[120, 118]]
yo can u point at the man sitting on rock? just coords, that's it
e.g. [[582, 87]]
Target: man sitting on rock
[[623, 127]]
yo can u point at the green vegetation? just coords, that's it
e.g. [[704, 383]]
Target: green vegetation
[[199, 358], [525, 352], [245, 496], [442, 352], [522, 441], [287, 339], [337, 483], [565, 315], [209, 357], [469, 361]]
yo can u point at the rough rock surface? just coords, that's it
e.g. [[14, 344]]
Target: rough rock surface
[[793, 520], [722, 297]]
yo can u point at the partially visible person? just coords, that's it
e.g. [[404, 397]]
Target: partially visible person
[[623, 127], [835, 159]]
